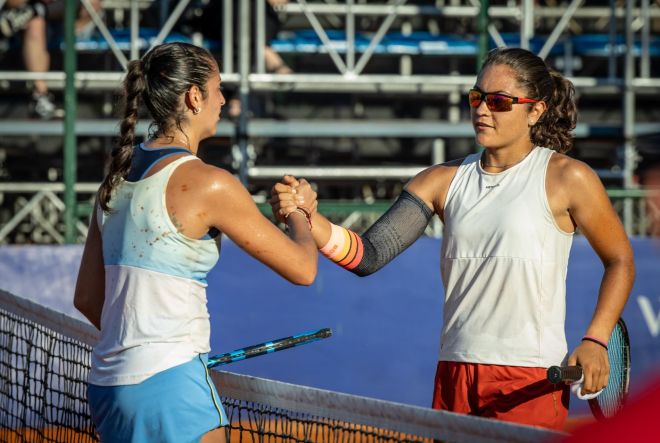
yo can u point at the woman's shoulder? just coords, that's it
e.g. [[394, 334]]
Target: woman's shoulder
[[569, 170], [441, 172], [206, 176], [433, 182]]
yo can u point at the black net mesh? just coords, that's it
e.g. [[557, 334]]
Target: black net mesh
[[254, 422], [42, 384]]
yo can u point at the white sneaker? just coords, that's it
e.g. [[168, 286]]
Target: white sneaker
[[42, 106]]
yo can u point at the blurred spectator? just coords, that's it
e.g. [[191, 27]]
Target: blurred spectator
[[29, 18], [209, 24], [206, 17], [651, 182], [84, 26]]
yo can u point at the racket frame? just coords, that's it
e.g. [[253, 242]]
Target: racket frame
[[571, 374], [268, 347], [594, 405]]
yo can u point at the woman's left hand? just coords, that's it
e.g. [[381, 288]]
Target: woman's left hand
[[592, 357]]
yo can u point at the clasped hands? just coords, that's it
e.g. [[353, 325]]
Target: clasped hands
[[290, 194]]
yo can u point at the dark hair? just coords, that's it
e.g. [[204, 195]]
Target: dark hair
[[553, 129], [159, 79]]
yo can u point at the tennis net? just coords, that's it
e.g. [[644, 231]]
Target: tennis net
[[44, 362]]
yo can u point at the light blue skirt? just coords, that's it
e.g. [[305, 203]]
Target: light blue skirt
[[179, 404]]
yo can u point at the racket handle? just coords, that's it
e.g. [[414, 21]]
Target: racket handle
[[558, 374]]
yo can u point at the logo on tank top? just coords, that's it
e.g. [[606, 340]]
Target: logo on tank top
[[492, 186]]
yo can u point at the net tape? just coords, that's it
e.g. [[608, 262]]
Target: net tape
[[43, 369]]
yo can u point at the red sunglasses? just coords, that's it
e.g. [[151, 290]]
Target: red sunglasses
[[494, 101]]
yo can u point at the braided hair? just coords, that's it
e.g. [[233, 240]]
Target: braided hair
[[159, 80]]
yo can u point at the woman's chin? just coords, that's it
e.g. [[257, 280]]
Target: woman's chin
[[482, 140]]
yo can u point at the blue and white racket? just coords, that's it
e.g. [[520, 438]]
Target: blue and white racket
[[268, 347], [614, 395]]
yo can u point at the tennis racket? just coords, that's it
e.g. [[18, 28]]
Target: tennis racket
[[268, 347], [613, 397]]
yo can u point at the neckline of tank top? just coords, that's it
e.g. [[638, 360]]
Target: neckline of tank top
[[145, 148], [510, 167], [158, 173]]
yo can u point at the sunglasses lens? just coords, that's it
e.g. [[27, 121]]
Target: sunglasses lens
[[474, 98], [499, 103]]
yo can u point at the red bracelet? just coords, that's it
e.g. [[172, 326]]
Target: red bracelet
[[595, 340], [308, 216]]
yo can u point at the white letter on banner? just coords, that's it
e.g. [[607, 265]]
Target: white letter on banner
[[652, 319]]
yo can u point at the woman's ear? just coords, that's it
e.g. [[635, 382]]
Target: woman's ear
[[536, 112], [194, 99]]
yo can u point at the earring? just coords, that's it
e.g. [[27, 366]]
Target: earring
[[196, 110], [531, 123]]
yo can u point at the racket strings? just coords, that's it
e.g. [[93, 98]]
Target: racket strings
[[613, 396]]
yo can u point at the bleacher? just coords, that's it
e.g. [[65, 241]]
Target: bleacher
[[386, 100]]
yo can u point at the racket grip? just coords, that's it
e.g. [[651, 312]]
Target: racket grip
[[558, 374]]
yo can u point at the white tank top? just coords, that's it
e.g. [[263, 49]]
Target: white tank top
[[503, 265], [154, 316]]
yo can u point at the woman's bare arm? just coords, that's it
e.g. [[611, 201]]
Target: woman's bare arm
[[89, 294]]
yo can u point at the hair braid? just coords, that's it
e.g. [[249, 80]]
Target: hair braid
[[134, 87]]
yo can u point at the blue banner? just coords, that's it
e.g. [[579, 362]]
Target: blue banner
[[386, 327]]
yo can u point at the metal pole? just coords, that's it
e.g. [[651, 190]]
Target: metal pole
[[483, 33], [630, 155], [350, 37], [645, 67], [70, 8], [611, 60], [135, 30], [260, 34], [244, 89], [527, 24], [228, 37], [559, 28]]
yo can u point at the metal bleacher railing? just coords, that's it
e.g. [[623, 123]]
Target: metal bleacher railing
[[350, 51]]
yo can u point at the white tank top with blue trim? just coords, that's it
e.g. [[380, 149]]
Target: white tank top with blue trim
[[504, 262], [154, 315]]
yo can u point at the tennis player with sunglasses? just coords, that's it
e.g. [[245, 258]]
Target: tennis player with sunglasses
[[509, 214]]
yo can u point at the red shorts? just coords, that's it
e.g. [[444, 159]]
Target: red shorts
[[510, 393]]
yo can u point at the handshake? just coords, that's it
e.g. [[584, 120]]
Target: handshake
[[291, 195]]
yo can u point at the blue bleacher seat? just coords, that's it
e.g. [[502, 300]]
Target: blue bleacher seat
[[598, 45], [122, 37], [308, 42], [396, 43], [512, 39]]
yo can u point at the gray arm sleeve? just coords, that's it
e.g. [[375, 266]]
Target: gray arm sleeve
[[393, 232]]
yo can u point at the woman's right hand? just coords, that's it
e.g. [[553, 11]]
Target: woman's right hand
[[291, 194]]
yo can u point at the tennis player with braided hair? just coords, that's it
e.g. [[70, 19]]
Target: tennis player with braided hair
[[153, 238], [509, 216]]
